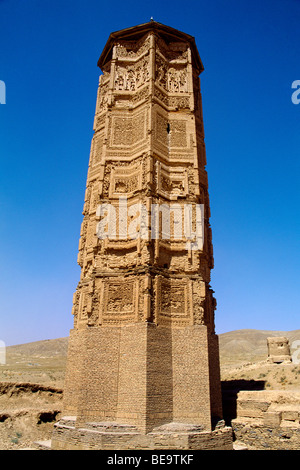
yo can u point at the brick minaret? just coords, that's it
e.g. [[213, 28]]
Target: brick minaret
[[143, 352]]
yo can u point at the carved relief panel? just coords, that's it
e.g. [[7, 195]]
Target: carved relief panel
[[131, 77], [97, 148], [83, 303], [171, 77], [103, 89], [119, 301], [133, 49], [125, 180], [172, 181], [173, 301]]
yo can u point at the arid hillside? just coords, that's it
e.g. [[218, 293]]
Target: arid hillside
[[242, 346], [41, 362]]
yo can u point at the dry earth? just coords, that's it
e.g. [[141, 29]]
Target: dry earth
[[31, 380], [31, 387]]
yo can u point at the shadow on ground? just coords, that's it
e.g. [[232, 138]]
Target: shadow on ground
[[230, 390]]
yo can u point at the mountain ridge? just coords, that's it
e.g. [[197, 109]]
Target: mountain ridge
[[243, 344]]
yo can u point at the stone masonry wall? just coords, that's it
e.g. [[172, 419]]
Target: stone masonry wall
[[267, 420]]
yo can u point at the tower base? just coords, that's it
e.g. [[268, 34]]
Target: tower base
[[116, 436]]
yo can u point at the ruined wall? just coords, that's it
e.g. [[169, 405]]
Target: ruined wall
[[266, 420]]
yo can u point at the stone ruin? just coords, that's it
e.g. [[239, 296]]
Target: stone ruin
[[278, 349]]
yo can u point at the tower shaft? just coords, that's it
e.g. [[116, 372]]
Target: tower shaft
[[143, 351]]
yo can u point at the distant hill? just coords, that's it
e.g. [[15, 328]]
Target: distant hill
[[241, 346], [44, 348], [238, 346]]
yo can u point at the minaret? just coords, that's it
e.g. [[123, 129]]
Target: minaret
[[143, 353]]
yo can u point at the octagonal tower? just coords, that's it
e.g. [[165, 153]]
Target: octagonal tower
[[143, 355]]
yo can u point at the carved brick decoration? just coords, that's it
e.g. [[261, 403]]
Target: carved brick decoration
[[119, 301], [143, 353], [174, 302]]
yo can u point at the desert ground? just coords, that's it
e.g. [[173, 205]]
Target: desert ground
[[32, 380]]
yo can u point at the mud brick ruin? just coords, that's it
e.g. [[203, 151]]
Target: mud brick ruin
[[278, 349], [143, 360]]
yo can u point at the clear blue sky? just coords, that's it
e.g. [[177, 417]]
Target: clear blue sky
[[48, 61]]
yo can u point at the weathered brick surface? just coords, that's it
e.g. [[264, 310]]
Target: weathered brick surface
[[141, 374], [111, 436]]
